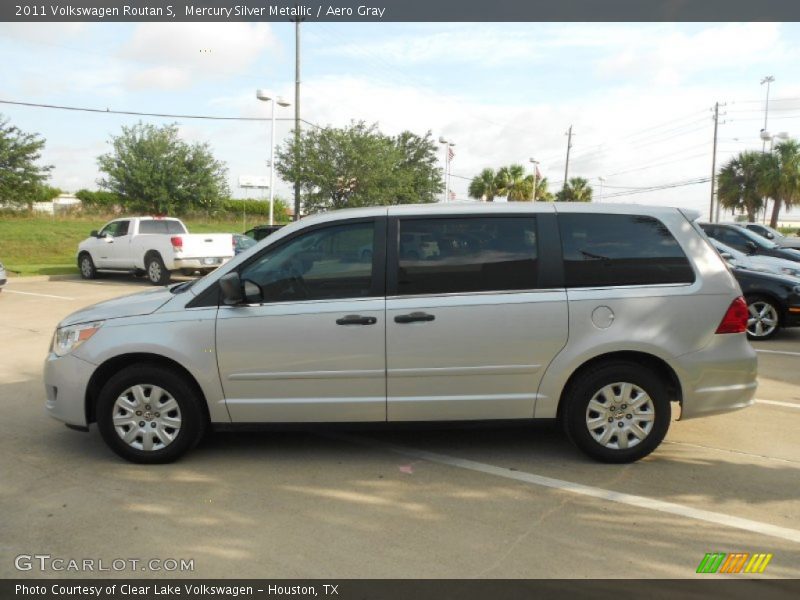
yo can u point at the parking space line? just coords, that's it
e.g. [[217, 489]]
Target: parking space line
[[40, 295], [783, 352], [778, 403], [785, 533]]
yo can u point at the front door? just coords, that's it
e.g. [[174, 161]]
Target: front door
[[471, 320], [309, 345]]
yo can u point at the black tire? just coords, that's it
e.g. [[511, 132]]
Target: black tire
[[758, 304], [157, 273], [86, 266], [192, 416], [577, 414]]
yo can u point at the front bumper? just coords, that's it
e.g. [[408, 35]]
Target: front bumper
[[65, 382], [719, 378]]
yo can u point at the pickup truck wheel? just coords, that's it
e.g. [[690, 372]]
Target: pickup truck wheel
[[617, 412], [86, 266], [149, 414], [157, 273]]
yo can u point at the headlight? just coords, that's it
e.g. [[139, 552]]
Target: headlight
[[790, 271], [67, 339]]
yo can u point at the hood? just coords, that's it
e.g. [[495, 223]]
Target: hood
[[142, 303]]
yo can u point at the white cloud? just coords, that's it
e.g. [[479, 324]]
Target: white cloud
[[181, 53]]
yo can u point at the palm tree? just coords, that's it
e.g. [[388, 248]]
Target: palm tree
[[780, 177], [742, 180], [576, 190], [512, 183], [484, 186]]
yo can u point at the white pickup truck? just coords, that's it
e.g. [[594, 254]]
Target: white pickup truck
[[152, 246]]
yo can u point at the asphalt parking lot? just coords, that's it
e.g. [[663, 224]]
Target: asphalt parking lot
[[516, 503]]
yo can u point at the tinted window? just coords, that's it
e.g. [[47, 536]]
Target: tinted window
[[164, 226], [602, 250], [122, 229], [329, 263], [440, 256]]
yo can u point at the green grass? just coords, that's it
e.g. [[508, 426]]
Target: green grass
[[46, 245]]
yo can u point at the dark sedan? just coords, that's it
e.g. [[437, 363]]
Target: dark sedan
[[773, 302], [259, 232], [765, 231], [748, 242]]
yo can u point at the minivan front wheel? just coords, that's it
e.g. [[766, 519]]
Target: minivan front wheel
[[618, 412], [149, 414]]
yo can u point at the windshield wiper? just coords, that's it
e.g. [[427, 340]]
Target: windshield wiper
[[179, 288], [594, 256]]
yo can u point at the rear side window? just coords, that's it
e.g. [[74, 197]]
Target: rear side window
[[166, 226], [444, 256], [605, 250]]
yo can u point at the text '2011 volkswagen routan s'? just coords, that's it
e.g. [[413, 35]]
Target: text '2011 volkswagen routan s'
[[598, 316]]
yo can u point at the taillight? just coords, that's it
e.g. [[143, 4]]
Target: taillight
[[177, 241], [735, 319]]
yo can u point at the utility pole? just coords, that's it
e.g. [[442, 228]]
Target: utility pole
[[713, 164], [569, 146], [296, 112]]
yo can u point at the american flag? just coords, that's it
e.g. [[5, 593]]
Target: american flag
[[450, 153]]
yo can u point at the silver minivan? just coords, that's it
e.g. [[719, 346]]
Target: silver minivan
[[599, 316]]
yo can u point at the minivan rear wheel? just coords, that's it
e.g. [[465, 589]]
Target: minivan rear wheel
[[149, 414], [617, 412]]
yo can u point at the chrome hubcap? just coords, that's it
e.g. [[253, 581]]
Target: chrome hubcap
[[620, 415], [155, 271], [147, 417], [763, 319]]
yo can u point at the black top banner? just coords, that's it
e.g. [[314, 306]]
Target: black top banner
[[401, 10]]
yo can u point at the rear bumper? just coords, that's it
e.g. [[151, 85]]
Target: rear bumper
[[200, 263], [65, 383], [719, 378]]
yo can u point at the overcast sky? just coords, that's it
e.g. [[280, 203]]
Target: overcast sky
[[638, 95]]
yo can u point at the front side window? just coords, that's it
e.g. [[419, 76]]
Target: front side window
[[608, 250], [461, 255], [122, 229], [325, 264], [112, 229]]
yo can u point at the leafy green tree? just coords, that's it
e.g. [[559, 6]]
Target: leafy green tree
[[780, 177], [741, 182], [577, 189], [360, 166], [484, 186], [543, 194], [152, 170], [21, 178]]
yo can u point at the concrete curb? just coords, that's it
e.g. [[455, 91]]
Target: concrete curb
[[12, 278]]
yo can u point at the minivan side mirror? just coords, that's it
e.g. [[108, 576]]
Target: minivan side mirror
[[751, 247], [770, 235], [231, 286], [726, 255]]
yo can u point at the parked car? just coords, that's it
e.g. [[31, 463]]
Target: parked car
[[242, 243], [599, 316], [152, 246], [755, 262], [773, 302], [774, 235], [259, 232], [748, 242], [2, 276]]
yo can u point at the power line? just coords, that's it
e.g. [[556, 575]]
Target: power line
[[656, 188], [147, 114]]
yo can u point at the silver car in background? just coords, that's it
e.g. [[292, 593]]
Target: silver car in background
[[756, 262], [599, 316]]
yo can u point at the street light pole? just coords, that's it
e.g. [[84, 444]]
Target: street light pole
[[768, 80], [535, 175], [267, 97], [602, 181]]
